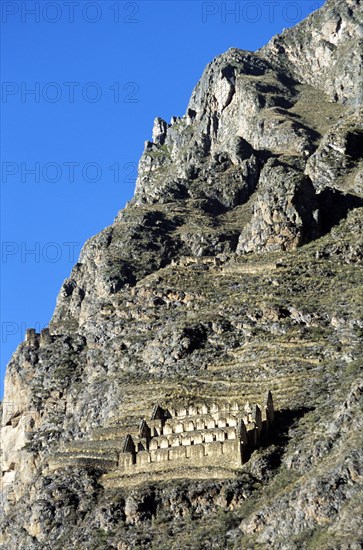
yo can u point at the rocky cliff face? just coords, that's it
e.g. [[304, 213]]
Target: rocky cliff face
[[264, 172]]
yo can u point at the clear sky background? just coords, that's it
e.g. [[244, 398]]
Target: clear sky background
[[81, 84]]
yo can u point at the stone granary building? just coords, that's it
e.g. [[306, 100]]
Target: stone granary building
[[199, 436], [194, 436], [205, 441]]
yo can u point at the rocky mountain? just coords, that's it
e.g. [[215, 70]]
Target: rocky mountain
[[236, 269]]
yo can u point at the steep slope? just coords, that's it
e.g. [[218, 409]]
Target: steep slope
[[235, 269], [325, 51]]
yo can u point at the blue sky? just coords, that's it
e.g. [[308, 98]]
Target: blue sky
[[81, 84]]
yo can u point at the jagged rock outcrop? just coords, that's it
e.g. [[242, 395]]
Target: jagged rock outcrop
[[313, 50], [286, 211], [232, 271], [338, 161]]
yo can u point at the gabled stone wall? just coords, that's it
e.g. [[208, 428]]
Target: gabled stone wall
[[220, 435], [217, 437]]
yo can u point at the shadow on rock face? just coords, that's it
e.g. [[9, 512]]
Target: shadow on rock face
[[354, 145], [279, 435], [334, 207]]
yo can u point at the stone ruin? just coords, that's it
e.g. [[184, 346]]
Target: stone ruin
[[185, 261], [198, 436], [188, 441], [34, 338], [196, 440]]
